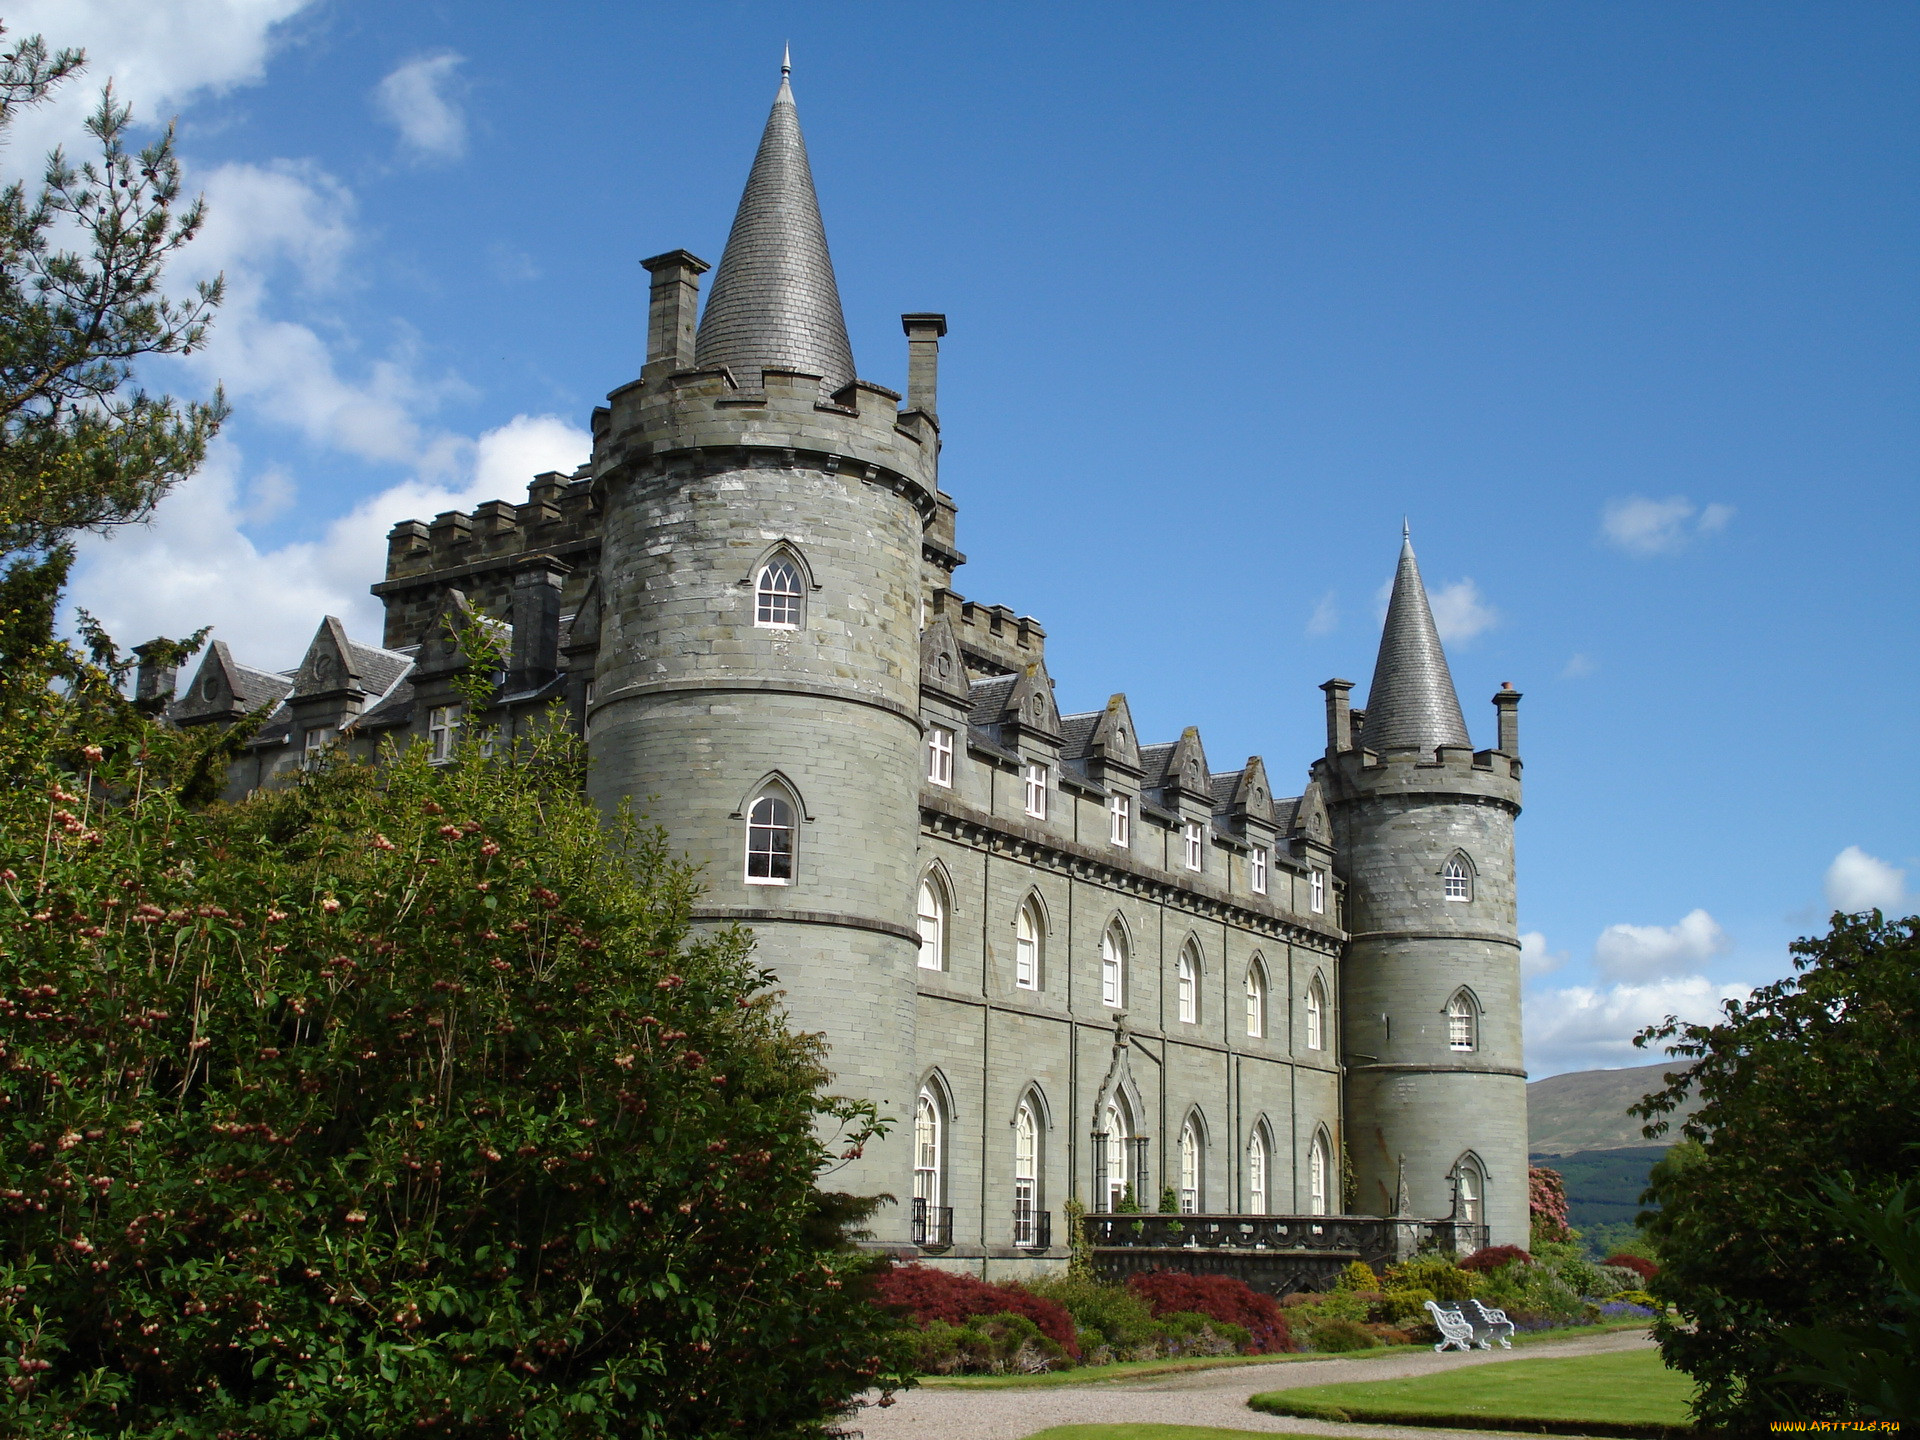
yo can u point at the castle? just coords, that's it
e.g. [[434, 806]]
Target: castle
[[1068, 961]]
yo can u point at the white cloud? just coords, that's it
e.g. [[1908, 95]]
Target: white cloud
[[1535, 958], [1644, 952], [1641, 526], [415, 99], [1579, 666], [1325, 618], [1460, 612], [1584, 1027], [195, 565], [1858, 881]]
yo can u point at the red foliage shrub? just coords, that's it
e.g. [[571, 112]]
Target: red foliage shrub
[[1218, 1297], [1639, 1264], [924, 1294], [1493, 1257]]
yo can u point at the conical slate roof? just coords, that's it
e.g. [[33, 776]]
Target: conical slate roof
[[774, 301], [1411, 703]]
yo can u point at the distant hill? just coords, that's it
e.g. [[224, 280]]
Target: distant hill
[[1603, 1192], [1587, 1110]]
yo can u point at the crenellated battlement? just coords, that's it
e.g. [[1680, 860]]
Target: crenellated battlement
[[1448, 770], [994, 639]]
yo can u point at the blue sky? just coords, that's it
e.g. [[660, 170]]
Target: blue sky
[[1615, 302]]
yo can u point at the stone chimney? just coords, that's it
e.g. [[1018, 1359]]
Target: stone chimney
[[672, 307], [537, 580], [923, 360], [154, 681], [1506, 704], [1339, 716]]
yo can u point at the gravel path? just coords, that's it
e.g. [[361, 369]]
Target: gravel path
[[1197, 1397]]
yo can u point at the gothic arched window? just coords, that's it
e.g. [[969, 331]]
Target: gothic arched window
[[1319, 1168], [1469, 1194], [1456, 879], [770, 834], [1029, 945], [1463, 1022], [1026, 1175], [1256, 1000], [932, 1221], [1187, 984], [933, 923], [777, 594], [1117, 1130], [1316, 1015], [1192, 1166], [1259, 1167], [1113, 967]]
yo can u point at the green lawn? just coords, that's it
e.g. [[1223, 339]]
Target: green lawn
[[1624, 1392], [1156, 1432]]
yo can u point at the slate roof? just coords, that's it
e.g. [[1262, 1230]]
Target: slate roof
[[393, 711], [1411, 703], [774, 300], [1077, 734], [1285, 813], [1223, 787], [1153, 764], [378, 669], [990, 698]]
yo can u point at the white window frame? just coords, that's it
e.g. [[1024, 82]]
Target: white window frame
[[314, 744], [1186, 972], [1192, 1165], [1113, 968], [1257, 869], [1120, 820], [1026, 1173], [1035, 776], [939, 755], [929, 1144], [1256, 1001], [778, 606], [1118, 1133], [1317, 892], [1029, 945], [1470, 1192], [1463, 1023], [1316, 1014], [1319, 1162], [443, 732], [771, 825], [1456, 881], [932, 919], [1196, 838]]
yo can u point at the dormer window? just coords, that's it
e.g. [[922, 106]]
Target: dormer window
[[939, 755], [1036, 778], [777, 594], [1120, 819], [443, 729], [1196, 836], [1257, 869], [1317, 892]]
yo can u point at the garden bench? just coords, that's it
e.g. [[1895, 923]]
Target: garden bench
[[1491, 1320], [1455, 1328]]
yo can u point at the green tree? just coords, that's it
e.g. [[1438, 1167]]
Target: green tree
[[398, 1102], [81, 448], [1814, 1077]]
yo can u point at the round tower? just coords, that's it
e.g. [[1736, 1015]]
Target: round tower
[[1430, 988], [756, 689]]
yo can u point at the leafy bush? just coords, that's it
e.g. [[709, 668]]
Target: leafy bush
[[1188, 1333], [1403, 1308], [1108, 1316], [999, 1344], [1218, 1297], [1335, 1335], [1357, 1276], [1492, 1257], [1448, 1283], [924, 1294], [1639, 1264], [399, 1100], [1615, 1278]]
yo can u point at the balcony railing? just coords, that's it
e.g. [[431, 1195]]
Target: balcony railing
[[932, 1224], [1032, 1229]]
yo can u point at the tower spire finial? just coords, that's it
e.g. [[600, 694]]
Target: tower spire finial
[[786, 61], [1411, 704]]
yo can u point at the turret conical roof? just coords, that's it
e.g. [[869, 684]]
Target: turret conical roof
[[774, 301], [1411, 703]]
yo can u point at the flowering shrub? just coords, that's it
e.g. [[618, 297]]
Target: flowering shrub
[[924, 1295], [1639, 1264], [400, 1102], [1218, 1297], [1492, 1257], [1626, 1310], [1546, 1204]]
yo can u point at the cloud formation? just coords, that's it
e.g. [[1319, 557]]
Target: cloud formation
[[1641, 526], [1461, 612], [1858, 881], [1585, 1027], [1645, 952], [195, 564], [415, 99], [1579, 666], [1535, 958], [1325, 618]]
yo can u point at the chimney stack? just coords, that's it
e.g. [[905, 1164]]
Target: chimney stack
[[673, 306], [923, 361], [1506, 703], [154, 681], [1339, 718], [536, 619]]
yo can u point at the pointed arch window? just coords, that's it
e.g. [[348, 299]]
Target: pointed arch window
[[1259, 1168], [1469, 1195], [1256, 1000], [1316, 1015], [1026, 1175], [934, 911], [1456, 879], [932, 1220], [778, 593], [1029, 945], [1192, 1166], [1187, 984], [1463, 1022], [1114, 1181], [770, 835], [1113, 967], [1319, 1166]]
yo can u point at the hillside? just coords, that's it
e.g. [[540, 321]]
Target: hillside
[[1587, 1110]]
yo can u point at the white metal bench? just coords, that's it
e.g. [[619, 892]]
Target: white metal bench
[[1455, 1328], [1492, 1320]]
